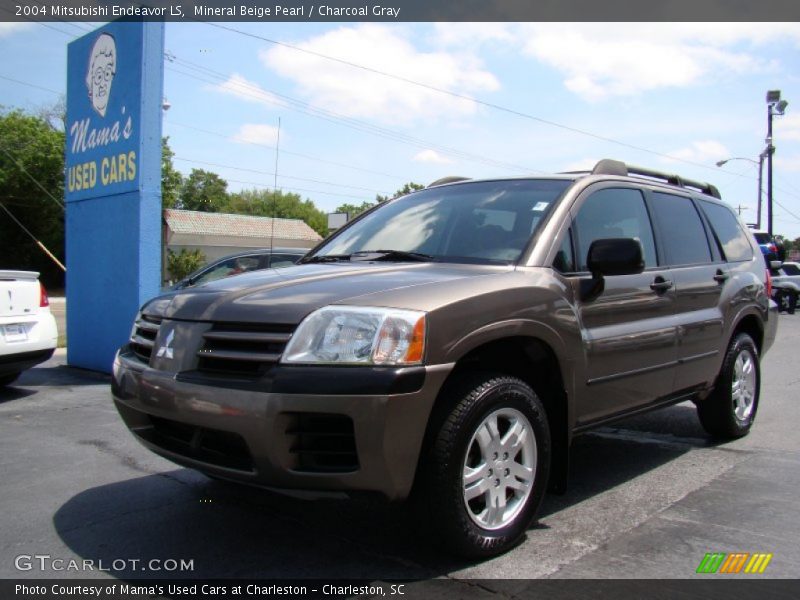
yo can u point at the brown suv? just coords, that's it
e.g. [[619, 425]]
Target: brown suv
[[453, 341]]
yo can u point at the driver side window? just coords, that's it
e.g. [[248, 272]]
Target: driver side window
[[614, 213]]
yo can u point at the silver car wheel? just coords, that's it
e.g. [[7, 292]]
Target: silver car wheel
[[743, 385], [499, 468]]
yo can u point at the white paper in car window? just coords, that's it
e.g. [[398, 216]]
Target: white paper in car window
[[540, 206]]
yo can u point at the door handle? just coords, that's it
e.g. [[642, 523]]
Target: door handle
[[721, 276], [660, 284]]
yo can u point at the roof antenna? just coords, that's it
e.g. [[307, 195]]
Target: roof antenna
[[275, 193]]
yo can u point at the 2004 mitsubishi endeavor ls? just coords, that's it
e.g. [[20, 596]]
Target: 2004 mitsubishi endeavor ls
[[453, 341]]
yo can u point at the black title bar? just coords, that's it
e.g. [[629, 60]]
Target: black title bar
[[402, 10]]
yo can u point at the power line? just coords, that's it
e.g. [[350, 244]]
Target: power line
[[213, 164], [36, 181], [306, 156], [33, 237], [265, 186], [33, 85], [452, 94], [255, 92]]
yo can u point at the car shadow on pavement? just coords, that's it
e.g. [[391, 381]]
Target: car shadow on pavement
[[60, 375], [12, 392], [232, 531]]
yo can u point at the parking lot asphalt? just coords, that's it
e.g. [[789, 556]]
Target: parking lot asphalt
[[647, 498]]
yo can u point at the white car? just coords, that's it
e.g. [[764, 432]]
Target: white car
[[28, 332], [786, 286]]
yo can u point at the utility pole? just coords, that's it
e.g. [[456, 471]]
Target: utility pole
[[775, 106]]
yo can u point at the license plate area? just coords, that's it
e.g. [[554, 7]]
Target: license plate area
[[14, 333]]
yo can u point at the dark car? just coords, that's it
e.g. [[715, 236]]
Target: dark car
[[772, 249], [448, 345], [242, 262]]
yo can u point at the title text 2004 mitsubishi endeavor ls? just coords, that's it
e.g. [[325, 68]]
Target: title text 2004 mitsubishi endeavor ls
[[453, 341]]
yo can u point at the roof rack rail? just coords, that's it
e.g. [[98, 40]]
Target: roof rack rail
[[608, 166], [449, 179]]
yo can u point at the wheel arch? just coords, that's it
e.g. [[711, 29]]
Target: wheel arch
[[534, 354]]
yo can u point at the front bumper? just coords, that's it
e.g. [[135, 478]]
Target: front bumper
[[306, 431]]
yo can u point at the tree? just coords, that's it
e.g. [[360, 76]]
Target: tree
[[31, 151], [354, 210], [171, 179], [276, 203], [181, 264], [204, 191]]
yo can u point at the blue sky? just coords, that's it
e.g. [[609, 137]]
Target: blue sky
[[675, 96]]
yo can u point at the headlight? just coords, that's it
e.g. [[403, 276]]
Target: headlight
[[358, 335]]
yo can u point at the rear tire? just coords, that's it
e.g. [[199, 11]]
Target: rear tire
[[485, 474], [728, 413], [8, 379], [791, 302]]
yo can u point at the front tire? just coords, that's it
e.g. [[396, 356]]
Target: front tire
[[729, 412], [486, 472]]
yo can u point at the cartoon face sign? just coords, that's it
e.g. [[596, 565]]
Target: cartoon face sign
[[102, 67]]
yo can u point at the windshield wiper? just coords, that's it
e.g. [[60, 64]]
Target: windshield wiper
[[392, 255], [324, 258]]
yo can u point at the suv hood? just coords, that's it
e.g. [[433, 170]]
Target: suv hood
[[286, 296]]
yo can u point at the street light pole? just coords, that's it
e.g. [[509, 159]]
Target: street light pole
[[775, 106], [770, 151], [760, 186], [760, 164]]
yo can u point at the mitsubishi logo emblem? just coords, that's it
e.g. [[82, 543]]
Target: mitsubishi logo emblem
[[165, 351]]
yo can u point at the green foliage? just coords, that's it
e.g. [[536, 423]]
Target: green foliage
[[204, 191], [283, 205], [181, 264], [31, 147], [171, 179], [354, 209]]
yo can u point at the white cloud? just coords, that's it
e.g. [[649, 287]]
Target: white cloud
[[12, 28], [603, 60], [255, 133], [787, 127], [584, 164], [471, 34], [606, 60], [431, 156], [788, 163], [358, 92], [704, 152], [236, 85]]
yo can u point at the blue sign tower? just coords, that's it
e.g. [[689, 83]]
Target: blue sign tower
[[112, 185]]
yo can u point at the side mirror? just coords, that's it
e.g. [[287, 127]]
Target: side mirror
[[615, 256], [610, 256], [775, 264]]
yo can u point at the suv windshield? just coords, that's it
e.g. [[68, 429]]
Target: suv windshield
[[484, 222]]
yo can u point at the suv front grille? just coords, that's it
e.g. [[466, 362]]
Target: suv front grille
[[144, 336], [322, 443], [248, 350]]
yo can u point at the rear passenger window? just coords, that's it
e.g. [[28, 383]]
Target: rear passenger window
[[685, 241], [731, 236], [614, 213]]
